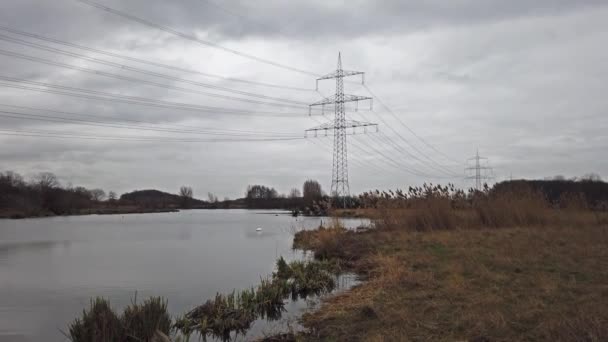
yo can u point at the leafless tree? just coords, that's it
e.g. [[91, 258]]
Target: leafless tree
[[11, 178], [112, 196], [212, 198], [294, 193], [186, 191], [46, 180], [186, 194], [97, 195], [312, 191]]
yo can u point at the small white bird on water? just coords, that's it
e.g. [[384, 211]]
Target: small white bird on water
[[258, 229]]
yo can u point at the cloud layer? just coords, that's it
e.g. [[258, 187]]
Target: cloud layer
[[521, 81]]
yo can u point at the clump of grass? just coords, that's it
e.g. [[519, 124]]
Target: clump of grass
[[98, 324], [304, 279], [325, 242], [146, 320], [218, 317]]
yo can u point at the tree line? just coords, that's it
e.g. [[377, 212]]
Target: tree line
[[43, 195]]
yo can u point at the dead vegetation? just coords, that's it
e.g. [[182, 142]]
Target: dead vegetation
[[491, 267]]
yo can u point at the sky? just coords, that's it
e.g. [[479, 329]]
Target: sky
[[522, 82]]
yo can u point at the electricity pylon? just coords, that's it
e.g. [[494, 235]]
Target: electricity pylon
[[339, 178], [482, 172]]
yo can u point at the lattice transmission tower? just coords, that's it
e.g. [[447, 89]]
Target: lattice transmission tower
[[480, 171], [339, 126]]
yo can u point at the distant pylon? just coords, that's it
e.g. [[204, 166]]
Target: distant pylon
[[339, 178], [482, 172]]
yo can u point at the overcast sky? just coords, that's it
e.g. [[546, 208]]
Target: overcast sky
[[522, 81]]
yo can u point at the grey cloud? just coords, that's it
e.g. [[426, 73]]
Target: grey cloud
[[523, 81]]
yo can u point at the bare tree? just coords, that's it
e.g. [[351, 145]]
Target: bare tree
[[11, 178], [46, 180], [212, 198], [97, 195], [312, 191], [294, 193], [186, 194], [186, 191], [112, 196]]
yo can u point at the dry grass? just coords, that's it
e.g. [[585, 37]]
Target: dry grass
[[516, 208], [537, 283]]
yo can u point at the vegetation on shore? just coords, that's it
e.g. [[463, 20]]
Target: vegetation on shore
[[44, 195], [222, 317], [442, 265]]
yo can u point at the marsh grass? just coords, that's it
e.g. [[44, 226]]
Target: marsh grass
[[149, 321], [232, 314]]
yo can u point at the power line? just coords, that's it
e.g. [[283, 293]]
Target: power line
[[137, 80], [174, 127], [68, 135], [238, 15], [437, 167], [383, 139], [47, 118], [151, 63], [376, 170], [407, 127], [390, 161], [133, 99], [193, 38], [134, 69], [167, 29]]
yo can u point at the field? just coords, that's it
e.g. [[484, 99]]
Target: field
[[502, 269]]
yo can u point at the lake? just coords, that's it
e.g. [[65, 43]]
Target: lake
[[51, 267]]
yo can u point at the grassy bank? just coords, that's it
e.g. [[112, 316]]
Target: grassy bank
[[498, 269]]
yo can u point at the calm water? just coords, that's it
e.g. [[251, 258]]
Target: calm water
[[51, 267]]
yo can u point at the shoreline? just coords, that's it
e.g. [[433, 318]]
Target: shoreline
[[16, 215]]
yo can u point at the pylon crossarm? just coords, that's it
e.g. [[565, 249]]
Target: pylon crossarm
[[342, 73], [347, 98], [347, 124]]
